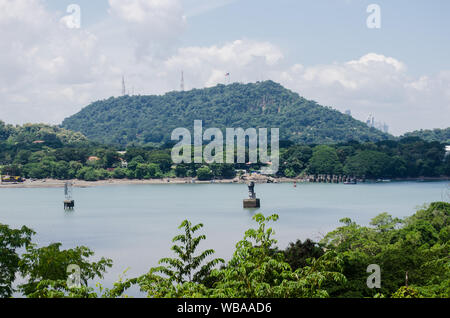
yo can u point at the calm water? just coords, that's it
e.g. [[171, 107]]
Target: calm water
[[134, 224]]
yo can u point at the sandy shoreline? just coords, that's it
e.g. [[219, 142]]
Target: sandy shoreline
[[52, 183]]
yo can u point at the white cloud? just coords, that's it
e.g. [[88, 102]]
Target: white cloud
[[40, 56], [159, 13], [239, 54], [372, 60], [379, 85], [49, 71], [152, 25], [241, 58], [199, 7]]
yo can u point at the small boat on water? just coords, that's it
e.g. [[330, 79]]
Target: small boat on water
[[350, 182]]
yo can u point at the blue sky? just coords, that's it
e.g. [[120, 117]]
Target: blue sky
[[321, 49], [315, 32]]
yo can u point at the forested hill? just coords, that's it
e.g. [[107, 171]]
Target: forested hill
[[151, 119], [440, 135], [39, 134]]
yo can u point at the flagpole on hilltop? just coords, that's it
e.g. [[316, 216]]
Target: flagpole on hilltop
[[227, 78]]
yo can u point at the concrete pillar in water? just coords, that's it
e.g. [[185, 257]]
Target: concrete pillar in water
[[252, 202], [69, 203]]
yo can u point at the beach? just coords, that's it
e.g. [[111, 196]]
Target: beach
[[53, 183]]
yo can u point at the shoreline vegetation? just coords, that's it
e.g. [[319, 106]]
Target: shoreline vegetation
[[40, 152], [54, 183]]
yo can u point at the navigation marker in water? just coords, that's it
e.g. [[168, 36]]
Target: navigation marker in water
[[69, 203], [252, 202]]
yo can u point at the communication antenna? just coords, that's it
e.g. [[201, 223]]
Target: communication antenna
[[182, 81], [124, 90], [69, 203]]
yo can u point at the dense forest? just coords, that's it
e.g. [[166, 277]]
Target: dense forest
[[440, 135], [51, 136], [146, 120], [40, 151], [412, 254]]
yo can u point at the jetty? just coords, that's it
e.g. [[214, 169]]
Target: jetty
[[327, 178]]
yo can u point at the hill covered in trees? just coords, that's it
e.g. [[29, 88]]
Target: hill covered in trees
[[151, 119], [28, 134], [440, 135]]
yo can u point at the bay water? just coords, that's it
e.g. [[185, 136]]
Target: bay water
[[134, 224]]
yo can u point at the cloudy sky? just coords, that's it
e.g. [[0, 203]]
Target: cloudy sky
[[322, 49]]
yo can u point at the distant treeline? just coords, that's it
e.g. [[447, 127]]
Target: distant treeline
[[409, 157], [441, 135], [39, 151]]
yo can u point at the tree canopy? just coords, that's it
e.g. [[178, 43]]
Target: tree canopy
[[151, 119]]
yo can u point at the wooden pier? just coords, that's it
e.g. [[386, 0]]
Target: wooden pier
[[326, 178]]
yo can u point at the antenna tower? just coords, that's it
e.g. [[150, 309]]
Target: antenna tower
[[182, 81], [124, 91]]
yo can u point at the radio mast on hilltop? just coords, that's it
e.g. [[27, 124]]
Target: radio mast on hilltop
[[182, 81], [124, 91]]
